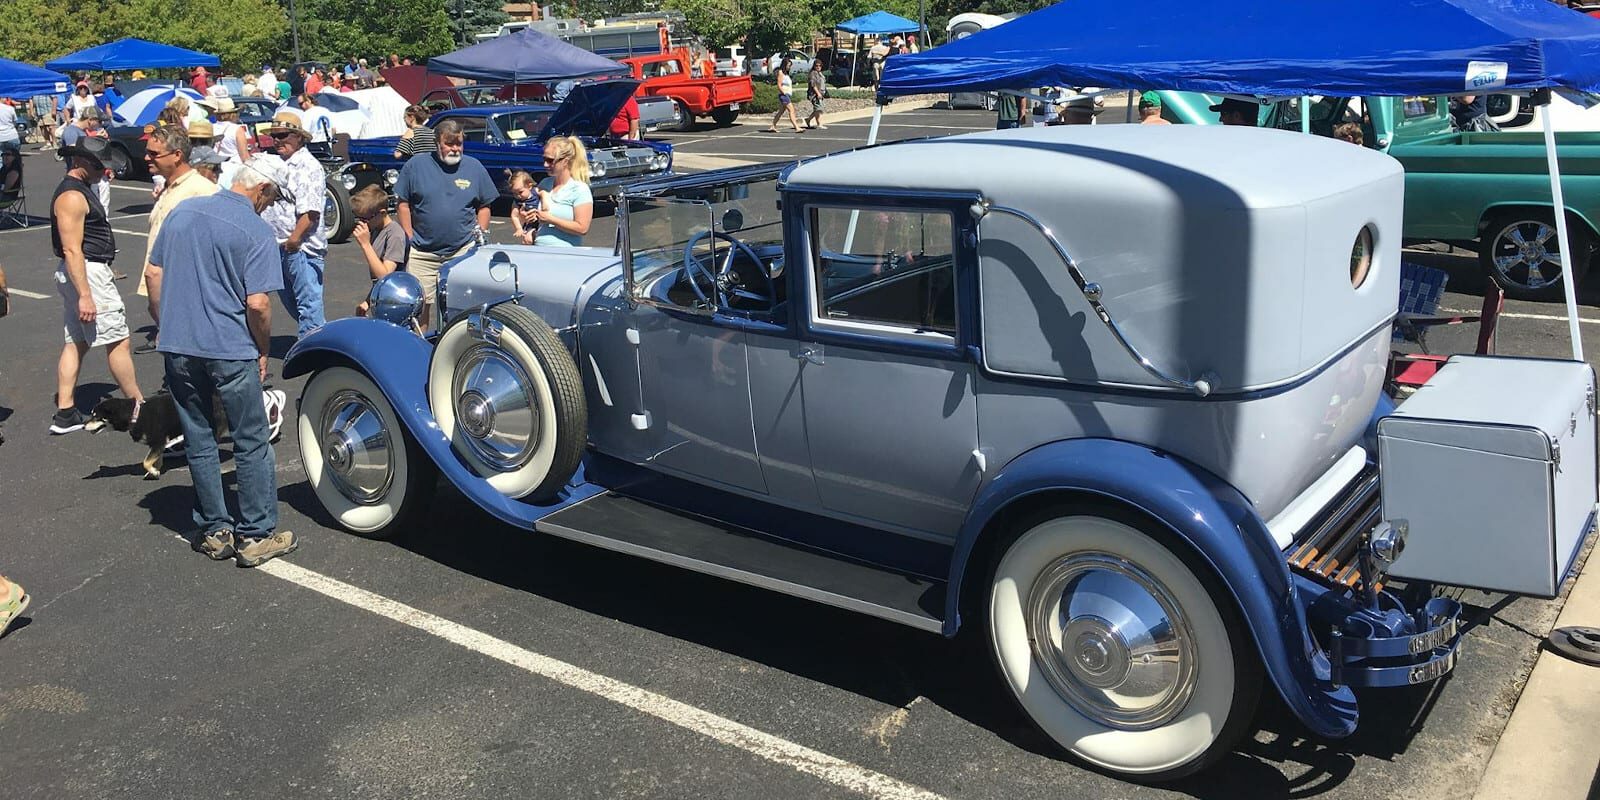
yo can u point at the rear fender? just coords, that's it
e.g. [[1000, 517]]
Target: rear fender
[[1202, 511], [397, 359]]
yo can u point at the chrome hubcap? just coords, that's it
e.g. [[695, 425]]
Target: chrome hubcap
[[1527, 254], [356, 448], [1112, 641], [495, 407]]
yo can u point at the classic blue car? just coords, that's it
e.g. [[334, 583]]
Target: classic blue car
[[1129, 419], [511, 137]]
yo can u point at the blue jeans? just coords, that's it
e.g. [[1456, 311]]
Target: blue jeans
[[1007, 124], [302, 289], [193, 382]]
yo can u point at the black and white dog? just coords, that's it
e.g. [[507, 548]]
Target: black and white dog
[[155, 424]]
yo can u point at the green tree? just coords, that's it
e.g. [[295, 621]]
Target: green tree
[[333, 30], [36, 31], [468, 18]]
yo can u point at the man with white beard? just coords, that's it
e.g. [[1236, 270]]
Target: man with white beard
[[443, 205]]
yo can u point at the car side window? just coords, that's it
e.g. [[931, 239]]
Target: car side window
[[473, 129], [887, 269]]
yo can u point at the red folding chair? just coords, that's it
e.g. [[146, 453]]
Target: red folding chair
[[1421, 289]]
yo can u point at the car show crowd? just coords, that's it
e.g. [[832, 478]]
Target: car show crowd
[[236, 218]]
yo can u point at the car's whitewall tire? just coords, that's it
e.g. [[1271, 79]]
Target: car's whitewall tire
[[1117, 650], [363, 465], [512, 406]]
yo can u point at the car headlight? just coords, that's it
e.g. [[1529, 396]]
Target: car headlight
[[598, 169], [348, 181], [659, 160], [396, 298], [390, 177]]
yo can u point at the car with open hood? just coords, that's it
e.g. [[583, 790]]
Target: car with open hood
[[512, 137]]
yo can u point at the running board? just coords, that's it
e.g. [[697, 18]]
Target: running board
[[627, 525]]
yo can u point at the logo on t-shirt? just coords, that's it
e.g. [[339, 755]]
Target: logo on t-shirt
[[462, 183]]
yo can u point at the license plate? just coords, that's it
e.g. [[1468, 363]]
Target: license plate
[[733, 106], [1432, 670]]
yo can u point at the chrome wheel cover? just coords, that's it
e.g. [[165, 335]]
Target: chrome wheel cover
[[356, 448], [330, 212], [1528, 248], [1112, 641], [495, 407]]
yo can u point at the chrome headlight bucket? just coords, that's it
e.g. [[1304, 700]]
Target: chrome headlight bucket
[[598, 169], [659, 160], [390, 177], [348, 180], [396, 298]]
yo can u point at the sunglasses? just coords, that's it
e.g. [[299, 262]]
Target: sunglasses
[[550, 162], [367, 218], [153, 156], [278, 137]]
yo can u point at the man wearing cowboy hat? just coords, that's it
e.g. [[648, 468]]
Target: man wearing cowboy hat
[[296, 220], [1233, 111], [166, 153], [92, 310]]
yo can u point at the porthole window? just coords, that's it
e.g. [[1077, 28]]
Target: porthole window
[[1361, 257]]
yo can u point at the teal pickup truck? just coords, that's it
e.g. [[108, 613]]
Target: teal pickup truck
[[1484, 191]]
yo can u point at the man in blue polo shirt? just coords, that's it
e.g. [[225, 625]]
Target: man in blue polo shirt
[[443, 204], [215, 266]]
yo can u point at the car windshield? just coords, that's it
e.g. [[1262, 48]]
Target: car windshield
[[661, 227], [522, 125]]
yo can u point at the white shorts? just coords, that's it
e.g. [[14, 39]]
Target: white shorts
[[111, 319]]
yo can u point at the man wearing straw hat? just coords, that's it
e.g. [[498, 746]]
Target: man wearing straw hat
[[296, 220]]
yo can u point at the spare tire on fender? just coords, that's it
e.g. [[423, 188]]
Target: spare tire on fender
[[508, 395]]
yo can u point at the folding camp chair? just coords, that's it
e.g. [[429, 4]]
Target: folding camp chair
[[13, 204], [1421, 289]]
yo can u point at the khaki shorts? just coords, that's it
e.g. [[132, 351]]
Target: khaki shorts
[[111, 320], [426, 265]]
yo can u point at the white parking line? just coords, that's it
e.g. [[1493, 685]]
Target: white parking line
[[144, 189], [131, 233], [1516, 315], [45, 225], [780, 751], [30, 295], [746, 155]]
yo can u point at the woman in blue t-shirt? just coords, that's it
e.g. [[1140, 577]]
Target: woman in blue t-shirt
[[565, 204]]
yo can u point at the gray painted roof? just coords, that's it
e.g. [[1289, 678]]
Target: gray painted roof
[[1264, 168]]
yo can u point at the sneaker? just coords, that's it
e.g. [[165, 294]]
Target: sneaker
[[274, 401], [217, 545], [253, 552], [66, 420], [149, 346], [12, 605]]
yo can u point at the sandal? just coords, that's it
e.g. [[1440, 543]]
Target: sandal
[[772, 130], [11, 607]]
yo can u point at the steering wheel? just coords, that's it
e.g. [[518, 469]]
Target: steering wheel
[[725, 281]]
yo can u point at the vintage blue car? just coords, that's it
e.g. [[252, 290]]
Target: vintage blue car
[[1128, 419], [512, 137]]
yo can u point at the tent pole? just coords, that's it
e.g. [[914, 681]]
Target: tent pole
[[1567, 281], [855, 214]]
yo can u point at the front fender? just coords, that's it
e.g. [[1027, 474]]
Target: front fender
[[1202, 511], [397, 361]]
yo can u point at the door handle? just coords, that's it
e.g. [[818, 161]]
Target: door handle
[[809, 352]]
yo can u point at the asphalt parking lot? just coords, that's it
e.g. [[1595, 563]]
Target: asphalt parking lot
[[476, 660]]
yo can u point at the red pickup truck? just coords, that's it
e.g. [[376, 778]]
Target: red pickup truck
[[694, 87]]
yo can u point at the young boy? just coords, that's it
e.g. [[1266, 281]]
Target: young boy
[[383, 244]]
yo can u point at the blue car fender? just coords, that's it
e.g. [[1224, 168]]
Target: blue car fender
[[397, 359], [1210, 516]]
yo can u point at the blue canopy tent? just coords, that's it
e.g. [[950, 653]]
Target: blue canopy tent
[[878, 23], [1245, 47], [26, 80], [126, 54], [526, 55]]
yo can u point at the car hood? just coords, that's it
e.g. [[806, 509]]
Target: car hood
[[589, 109]]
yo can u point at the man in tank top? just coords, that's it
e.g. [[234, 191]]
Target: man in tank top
[[92, 310]]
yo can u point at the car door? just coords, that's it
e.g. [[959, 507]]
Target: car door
[[890, 410], [694, 381]]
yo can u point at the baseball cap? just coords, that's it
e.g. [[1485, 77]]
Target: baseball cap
[[205, 154], [1150, 99]]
